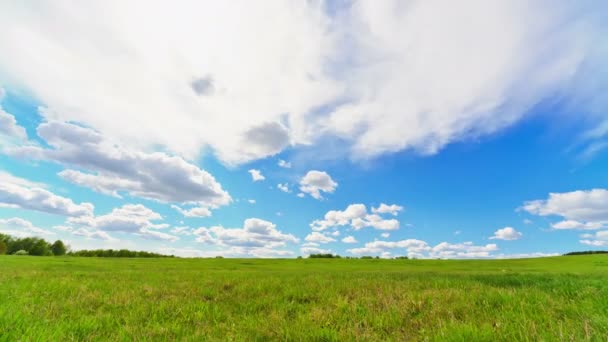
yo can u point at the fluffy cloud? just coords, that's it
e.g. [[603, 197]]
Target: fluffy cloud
[[257, 238], [193, 212], [318, 238], [506, 233], [421, 249], [130, 218], [283, 187], [582, 209], [349, 239], [599, 239], [387, 209], [21, 228], [92, 234], [357, 217], [370, 67], [18, 192], [156, 176], [9, 126], [284, 164], [256, 175], [315, 182], [314, 250]]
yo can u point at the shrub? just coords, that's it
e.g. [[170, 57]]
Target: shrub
[[3, 247], [58, 248], [21, 252]]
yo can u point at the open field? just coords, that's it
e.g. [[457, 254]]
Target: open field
[[59, 298]]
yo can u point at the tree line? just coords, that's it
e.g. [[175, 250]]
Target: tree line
[[587, 252], [40, 247], [30, 246]]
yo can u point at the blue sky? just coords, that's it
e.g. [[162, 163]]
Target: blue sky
[[350, 128]]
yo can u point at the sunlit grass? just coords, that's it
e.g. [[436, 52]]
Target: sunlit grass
[[59, 298]]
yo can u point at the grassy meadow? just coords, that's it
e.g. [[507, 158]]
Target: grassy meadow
[[73, 298]]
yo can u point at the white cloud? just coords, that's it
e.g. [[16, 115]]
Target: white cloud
[[385, 235], [251, 201], [349, 239], [421, 249], [314, 250], [356, 216], [417, 66], [284, 164], [581, 209], [93, 234], [182, 231], [21, 193], [9, 126], [19, 227], [256, 175], [599, 239], [387, 209], [193, 212], [315, 182], [319, 238], [301, 195], [572, 224], [283, 187], [134, 219], [506, 233], [525, 255], [156, 176], [257, 238]]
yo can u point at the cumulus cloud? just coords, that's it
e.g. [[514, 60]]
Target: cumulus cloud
[[581, 209], [315, 182], [387, 209], [257, 237], [283, 187], [349, 239], [193, 212], [599, 239], [134, 219], [421, 249], [182, 231], [113, 169], [441, 74], [506, 233], [319, 238], [92, 234], [355, 216], [9, 126], [19, 227], [256, 175], [284, 164], [314, 250], [21, 193]]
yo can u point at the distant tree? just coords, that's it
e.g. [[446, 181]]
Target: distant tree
[[587, 252], [323, 256], [3, 247], [58, 248], [21, 252], [40, 248]]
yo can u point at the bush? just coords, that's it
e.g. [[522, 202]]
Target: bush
[[21, 252], [58, 248], [3, 247]]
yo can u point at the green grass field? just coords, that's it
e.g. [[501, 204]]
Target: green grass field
[[70, 298]]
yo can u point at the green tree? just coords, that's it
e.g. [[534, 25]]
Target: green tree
[[3, 247], [40, 248], [58, 248]]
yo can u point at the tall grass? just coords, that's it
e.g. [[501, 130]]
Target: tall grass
[[561, 298]]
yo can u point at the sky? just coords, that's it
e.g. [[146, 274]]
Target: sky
[[286, 128]]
